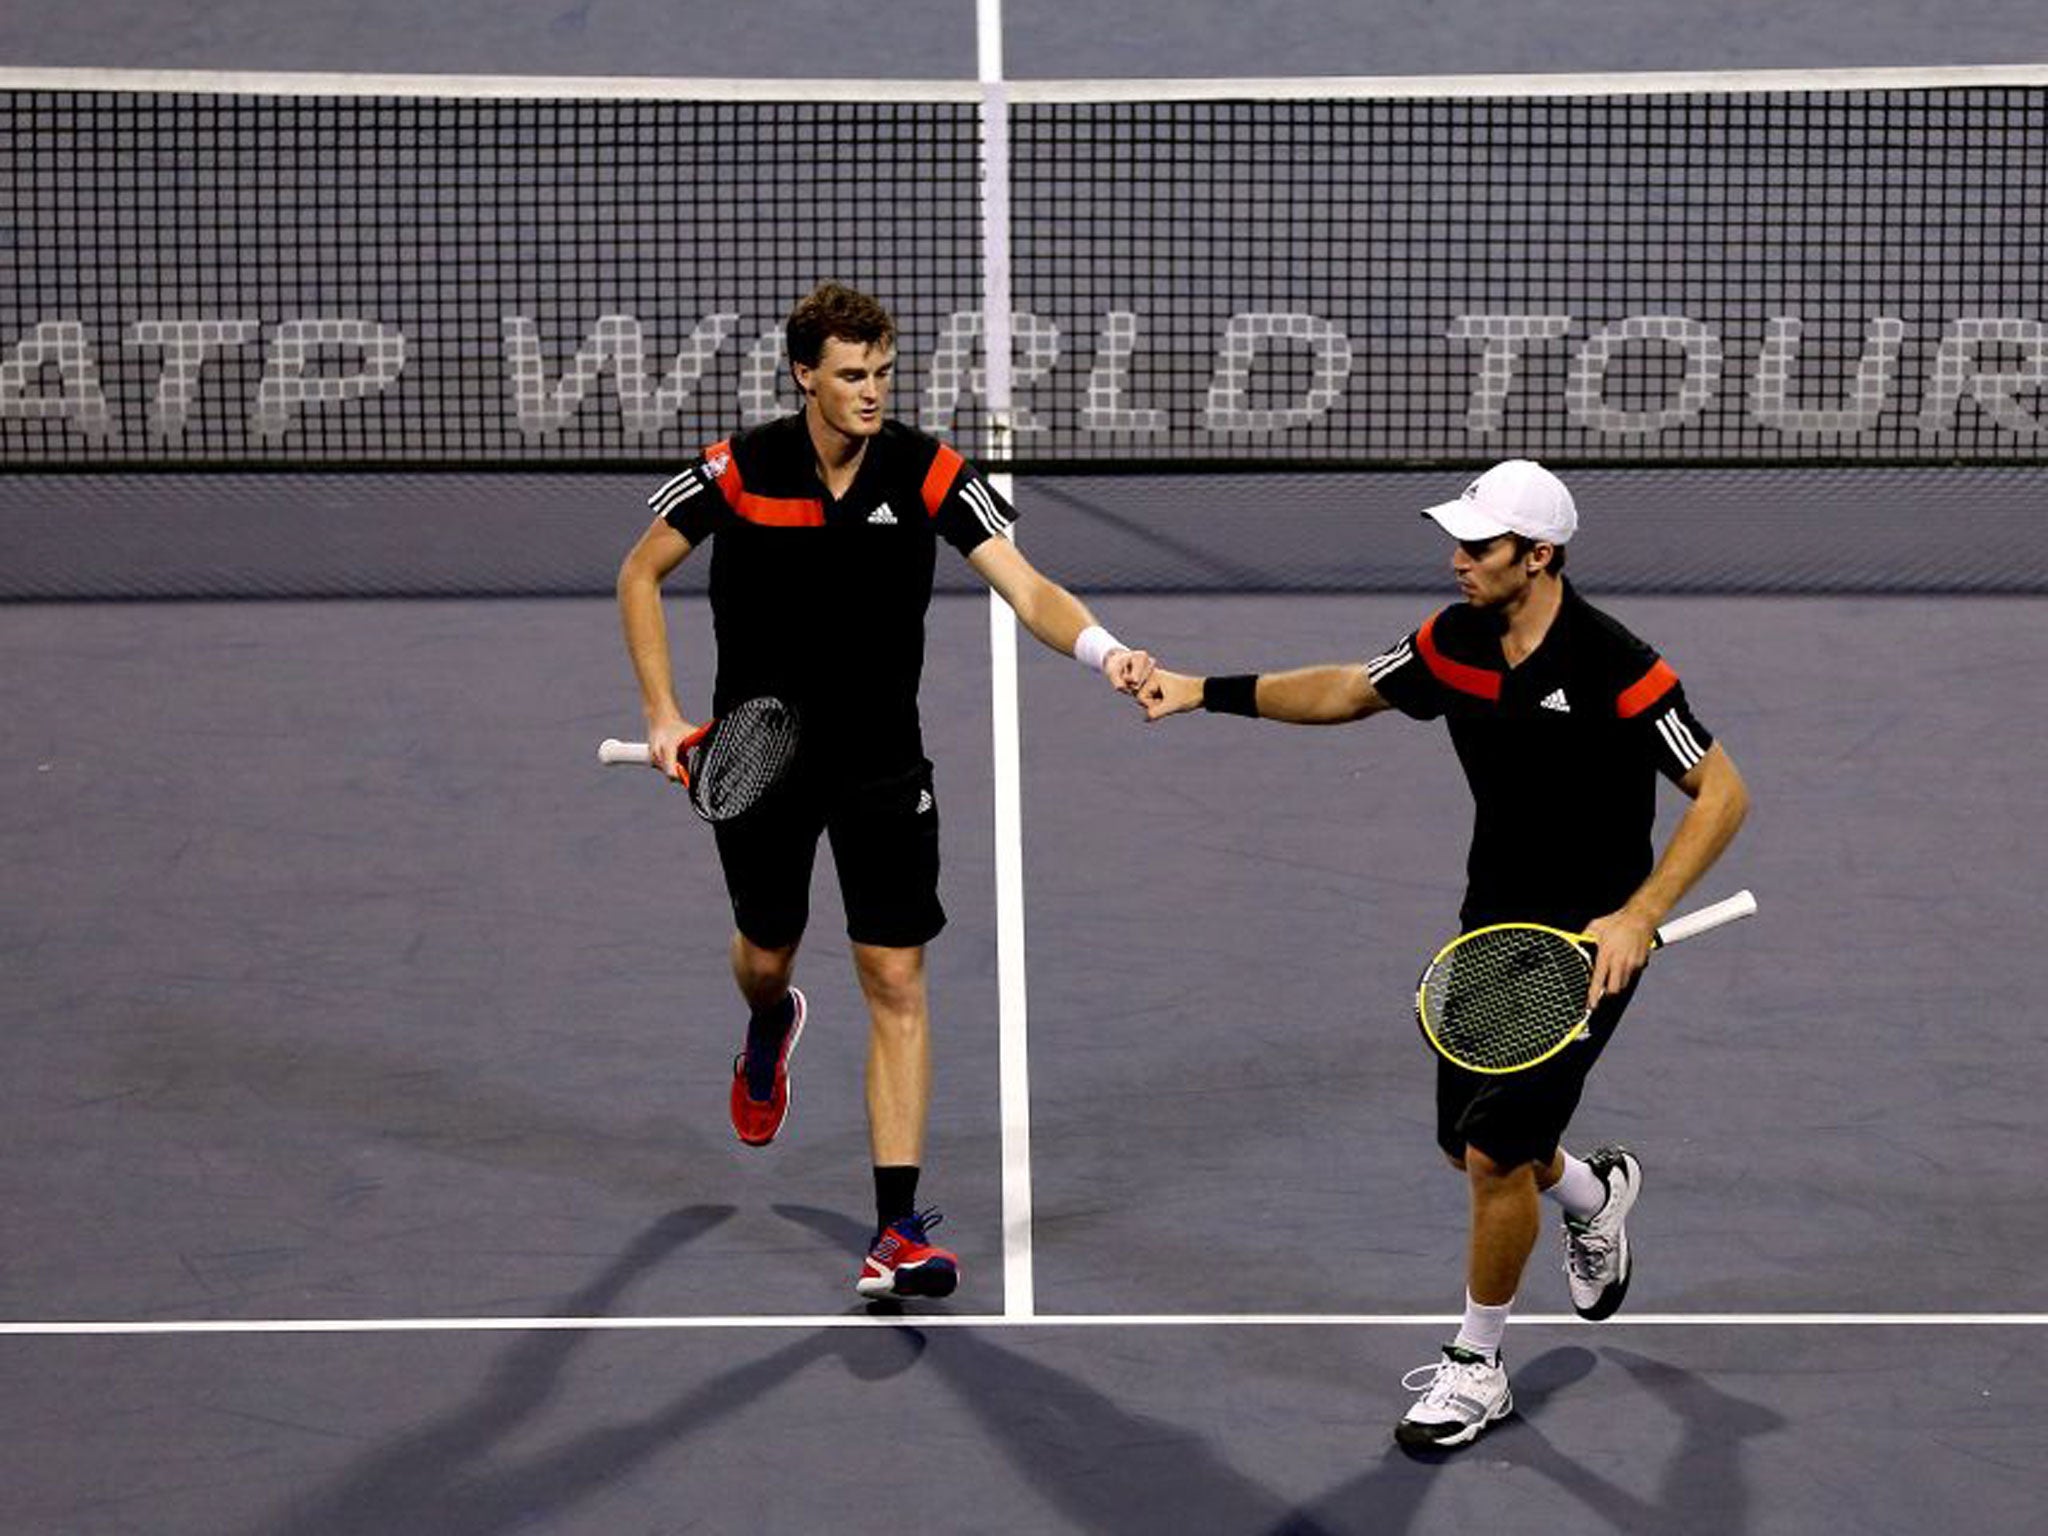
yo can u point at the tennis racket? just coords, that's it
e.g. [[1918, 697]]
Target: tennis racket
[[730, 764], [1504, 997]]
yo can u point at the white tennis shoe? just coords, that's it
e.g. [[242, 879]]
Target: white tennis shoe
[[1462, 1394], [1597, 1262]]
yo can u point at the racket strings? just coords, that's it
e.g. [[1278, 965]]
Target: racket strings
[[743, 757], [1506, 999]]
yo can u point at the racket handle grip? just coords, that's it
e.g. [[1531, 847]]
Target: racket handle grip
[[1741, 904], [612, 751]]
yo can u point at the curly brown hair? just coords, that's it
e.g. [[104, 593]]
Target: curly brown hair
[[834, 310]]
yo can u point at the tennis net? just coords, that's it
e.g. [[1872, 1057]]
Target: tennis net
[[1319, 278]]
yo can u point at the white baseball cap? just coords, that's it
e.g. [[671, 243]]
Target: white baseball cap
[[1515, 496]]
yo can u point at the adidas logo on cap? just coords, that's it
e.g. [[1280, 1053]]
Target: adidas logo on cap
[[1515, 496]]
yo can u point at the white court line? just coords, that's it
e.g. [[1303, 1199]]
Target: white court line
[[998, 1322], [1012, 991], [1013, 1072]]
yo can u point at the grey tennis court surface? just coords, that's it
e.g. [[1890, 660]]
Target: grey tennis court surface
[[343, 985], [348, 1008]]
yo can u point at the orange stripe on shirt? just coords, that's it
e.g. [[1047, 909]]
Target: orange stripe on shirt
[[780, 511], [1455, 674], [1646, 690], [768, 511], [939, 479]]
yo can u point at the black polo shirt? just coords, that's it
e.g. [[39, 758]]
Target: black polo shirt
[[821, 601], [1562, 753]]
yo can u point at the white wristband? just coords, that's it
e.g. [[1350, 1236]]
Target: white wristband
[[1093, 645]]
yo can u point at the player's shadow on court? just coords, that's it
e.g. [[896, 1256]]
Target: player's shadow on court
[[1104, 1467], [449, 1477], [1701, 1487], [1109, 1469], [365, 1093]]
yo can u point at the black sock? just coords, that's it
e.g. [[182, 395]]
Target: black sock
[[895, 1195], [765, 1031]]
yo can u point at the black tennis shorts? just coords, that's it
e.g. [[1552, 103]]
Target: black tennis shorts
[[885, 847], [1520, 1117]]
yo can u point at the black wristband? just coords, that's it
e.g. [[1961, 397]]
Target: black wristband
[[1236, 695]]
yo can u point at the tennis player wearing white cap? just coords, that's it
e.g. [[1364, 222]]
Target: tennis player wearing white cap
[[1517, 496], [1562, 721]]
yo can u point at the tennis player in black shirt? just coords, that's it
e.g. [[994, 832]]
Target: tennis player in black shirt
[[1563, 721], [825, 526]]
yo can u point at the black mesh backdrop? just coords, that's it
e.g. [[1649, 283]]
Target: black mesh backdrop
[[439, 282], [1667, 279], [1707, 292], [1851, 277]]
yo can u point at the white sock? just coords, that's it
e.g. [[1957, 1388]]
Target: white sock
[[1484, 1327], [1581, 1191]]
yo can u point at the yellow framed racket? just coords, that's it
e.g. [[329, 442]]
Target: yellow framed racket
[[1510, 995]]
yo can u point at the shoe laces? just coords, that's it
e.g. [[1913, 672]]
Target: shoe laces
[[918, 1223], [1586, 1251], [761, 1057], [1442, 1378]]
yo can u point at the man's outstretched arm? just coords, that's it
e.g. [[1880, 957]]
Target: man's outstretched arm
[[1331, 694], [1055, 616]]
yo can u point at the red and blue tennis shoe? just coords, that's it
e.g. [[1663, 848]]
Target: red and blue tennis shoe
[[904, 1262], [756, 1121]]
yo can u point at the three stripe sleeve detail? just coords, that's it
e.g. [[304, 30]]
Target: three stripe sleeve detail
[[1684, 747], [982, 503], [1388, 662], [676, 491]]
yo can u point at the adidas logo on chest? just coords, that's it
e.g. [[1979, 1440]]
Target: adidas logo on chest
[[1555, 700], [882, 516]]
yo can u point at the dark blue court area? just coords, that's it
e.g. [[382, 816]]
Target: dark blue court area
[[345, 987]]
